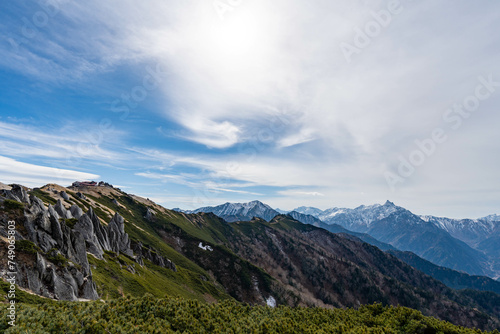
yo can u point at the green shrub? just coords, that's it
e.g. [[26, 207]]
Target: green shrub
[[71, 222], [44, 196], [57, 258], [27, 246], [11, 205], [178, 315]]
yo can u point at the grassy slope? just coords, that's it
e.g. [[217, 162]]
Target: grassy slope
[[113, 279]]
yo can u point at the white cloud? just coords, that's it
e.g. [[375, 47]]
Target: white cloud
[[210, 133], [13, 171], [69, 143], [300, 193]]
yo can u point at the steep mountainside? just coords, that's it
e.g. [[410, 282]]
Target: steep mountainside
[[471, 231], [406, 231], [329, 269], [335, 228], [482, 234], [452, 278]]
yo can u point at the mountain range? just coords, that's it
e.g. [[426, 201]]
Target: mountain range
[[471, 246], [98, 242]]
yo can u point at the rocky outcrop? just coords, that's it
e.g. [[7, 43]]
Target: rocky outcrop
[[49, 280], [149, 253], [69, 277], [37, 205], [64, 195], [85, 227], [150, 215], [76, 212], [80, 195], [118, 239], [17, 193], [61, 210]]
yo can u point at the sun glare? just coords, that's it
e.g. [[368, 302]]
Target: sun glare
[[242, 40]]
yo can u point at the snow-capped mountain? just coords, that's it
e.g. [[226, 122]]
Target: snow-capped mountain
[[491, 218], [232, 212], [406, 231], [471, 231], [482, 234], [308, 210], [357, 220]]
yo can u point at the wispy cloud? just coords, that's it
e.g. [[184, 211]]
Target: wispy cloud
[[300, 193], [31, 175], [70, 142]]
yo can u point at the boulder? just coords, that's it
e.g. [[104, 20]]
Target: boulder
[[62, 211], [80, 195], [76, 212], [150, 215], [64, 195]]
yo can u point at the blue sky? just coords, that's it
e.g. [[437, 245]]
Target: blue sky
[[293, 103]]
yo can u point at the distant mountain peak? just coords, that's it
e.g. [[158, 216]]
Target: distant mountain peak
[[232, 212]]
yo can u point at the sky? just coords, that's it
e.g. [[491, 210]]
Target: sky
[[294, 103]]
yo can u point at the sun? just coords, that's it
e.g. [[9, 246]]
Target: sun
[[242, 40], [238, 36]]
